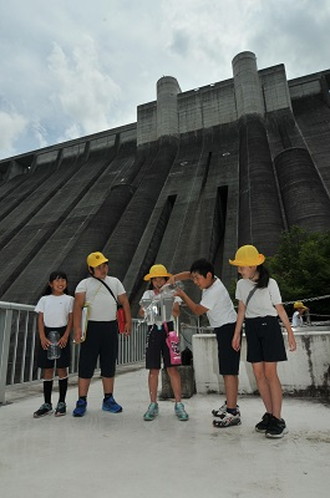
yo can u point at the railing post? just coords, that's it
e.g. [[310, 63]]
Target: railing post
[[5, 328]]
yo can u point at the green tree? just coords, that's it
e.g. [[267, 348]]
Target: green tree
[[301, 267]]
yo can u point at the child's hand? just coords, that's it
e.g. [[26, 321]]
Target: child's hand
[[179, 292], [292, 343], [77, 335], [45, 343], [236, 342], [63, 342]]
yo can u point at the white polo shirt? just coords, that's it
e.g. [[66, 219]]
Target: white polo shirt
[[263, 301], [55, 309], [219, 305], [102, 306]]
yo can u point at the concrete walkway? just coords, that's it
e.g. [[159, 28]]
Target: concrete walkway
[[104, 455]]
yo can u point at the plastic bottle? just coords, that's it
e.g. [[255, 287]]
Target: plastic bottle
[[54, 350]]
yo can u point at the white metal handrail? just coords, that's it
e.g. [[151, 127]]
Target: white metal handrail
[[18, 346]]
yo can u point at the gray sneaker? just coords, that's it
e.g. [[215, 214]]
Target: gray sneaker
[[151, 413], [45, 409], [60, 410], [180, 412]]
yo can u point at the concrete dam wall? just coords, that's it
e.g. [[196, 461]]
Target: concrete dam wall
[[200, 173]]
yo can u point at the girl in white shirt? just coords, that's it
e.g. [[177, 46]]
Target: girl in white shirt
[[54, 314], [260, 305]]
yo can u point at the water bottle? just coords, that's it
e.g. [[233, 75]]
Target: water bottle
[[54, 351]]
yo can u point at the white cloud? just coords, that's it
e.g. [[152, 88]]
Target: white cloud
[[80, 67], [84, 90], [12, 125]]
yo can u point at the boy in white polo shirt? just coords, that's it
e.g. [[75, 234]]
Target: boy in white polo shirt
[[217, 305]]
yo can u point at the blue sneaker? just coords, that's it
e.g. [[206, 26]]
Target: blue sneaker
[[80, 409], [180, 412], [151, 413], [110, 405]]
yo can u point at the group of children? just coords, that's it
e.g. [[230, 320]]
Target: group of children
[[259, 307]]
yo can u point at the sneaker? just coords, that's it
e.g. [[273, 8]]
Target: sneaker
[[151, 413], [110, 405], [180, 412], [277, 428], [227, 420], [222, 410], [263, 425], [45, 409], [80, 409], [60, 409]]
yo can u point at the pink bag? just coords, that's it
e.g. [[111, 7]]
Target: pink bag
[[173, 341]]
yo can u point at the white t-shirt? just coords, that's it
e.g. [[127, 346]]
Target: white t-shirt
[[220, 307], [55, 309], [102, 306], [263, 301], [297, 319], [148, 295]]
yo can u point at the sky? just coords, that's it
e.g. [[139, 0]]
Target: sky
[[70, 68]]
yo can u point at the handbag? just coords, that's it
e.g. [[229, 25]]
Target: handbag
[[121, 318], [173, 342]]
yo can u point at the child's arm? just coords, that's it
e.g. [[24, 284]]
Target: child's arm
[[236, 341], [176, 309], [184, 275], [45, 343], [65, 337], [197, 309], [123, 299], [79, 302], [286, 322]]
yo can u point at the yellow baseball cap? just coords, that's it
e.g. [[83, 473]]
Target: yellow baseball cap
[[157, 271], [96, 259], [247, 256], [298, 305]]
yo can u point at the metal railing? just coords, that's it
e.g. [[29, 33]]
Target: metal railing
[[19, 341]]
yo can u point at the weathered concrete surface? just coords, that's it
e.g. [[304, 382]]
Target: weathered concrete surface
[[307, 370], [200, 173], [104, 455]]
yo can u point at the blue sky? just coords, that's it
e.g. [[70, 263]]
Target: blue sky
[[74, 67]]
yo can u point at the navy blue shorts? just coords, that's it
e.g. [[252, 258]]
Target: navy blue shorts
[[228, 357], [264, 340], [63, 361], [157, 348], [101, 342]]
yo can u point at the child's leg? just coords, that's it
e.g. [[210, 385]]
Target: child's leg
[[48, 374], [231, 388], [175, 380], [62, 383], [153, 384], [263, 385], [275, 388]]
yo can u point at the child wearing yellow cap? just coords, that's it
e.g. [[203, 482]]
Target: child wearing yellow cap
[[157, 347], [260, 306], [297, 317]]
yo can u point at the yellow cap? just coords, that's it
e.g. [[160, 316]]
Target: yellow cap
[[157, 271], [298, 305], [96, 259], [247, 256]]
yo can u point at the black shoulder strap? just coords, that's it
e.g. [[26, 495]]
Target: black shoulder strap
[[106, 285], [252, 291]]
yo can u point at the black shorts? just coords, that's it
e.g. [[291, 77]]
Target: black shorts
[[63, 361], [156, 347], [228, 357], [101, 341], [264, 340]]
